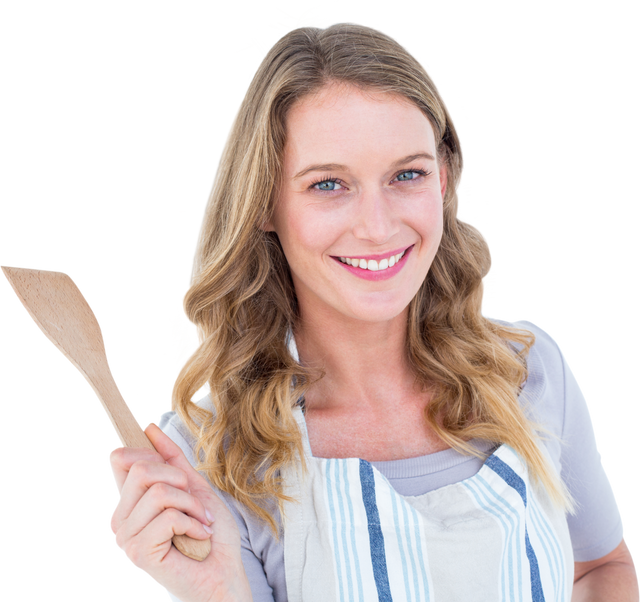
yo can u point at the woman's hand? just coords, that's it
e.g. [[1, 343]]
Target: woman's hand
[[162, 495]]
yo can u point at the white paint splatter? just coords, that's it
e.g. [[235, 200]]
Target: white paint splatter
[[554, 153], [501, 87]]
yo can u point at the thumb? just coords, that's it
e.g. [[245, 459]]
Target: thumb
[[174, 456], [166, 447]]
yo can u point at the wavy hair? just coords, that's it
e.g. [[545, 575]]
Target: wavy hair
[[244, 304]]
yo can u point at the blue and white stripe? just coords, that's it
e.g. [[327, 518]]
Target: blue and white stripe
[[528, 536], [381, 546], [394, 550]]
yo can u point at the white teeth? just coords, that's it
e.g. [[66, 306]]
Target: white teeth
[[372, 264]]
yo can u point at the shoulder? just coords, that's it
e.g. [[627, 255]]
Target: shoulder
[[546, 354], [547, 391], [175, 428], [172, 420]]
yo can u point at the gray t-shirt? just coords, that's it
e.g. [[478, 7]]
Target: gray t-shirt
[[551, 397]]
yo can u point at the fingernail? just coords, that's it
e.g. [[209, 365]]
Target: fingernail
[[207, 529], [208, 515]]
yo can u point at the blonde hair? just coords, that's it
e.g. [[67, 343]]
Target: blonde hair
[[244, 305]]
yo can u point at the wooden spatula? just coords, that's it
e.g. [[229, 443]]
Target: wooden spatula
[[61, 312]]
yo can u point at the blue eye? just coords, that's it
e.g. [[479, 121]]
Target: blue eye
[[412, 171], [331, 180], [327, 181], [407, 175], [328, 185]]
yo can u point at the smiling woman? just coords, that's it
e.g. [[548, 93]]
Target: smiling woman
[[369, 434]]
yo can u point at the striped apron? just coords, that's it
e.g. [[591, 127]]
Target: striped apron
[[350, 536]]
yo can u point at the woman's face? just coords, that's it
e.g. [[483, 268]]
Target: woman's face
[[362, 186]]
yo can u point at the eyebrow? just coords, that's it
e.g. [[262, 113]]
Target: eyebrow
[[339, 167]]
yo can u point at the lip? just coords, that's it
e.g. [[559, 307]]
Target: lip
[[380, 275], [377, 258]]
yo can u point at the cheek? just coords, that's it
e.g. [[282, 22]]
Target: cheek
[[297, 240], [427, 218], [307, 232]]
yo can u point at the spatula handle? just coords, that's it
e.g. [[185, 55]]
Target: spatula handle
[[197, 549]]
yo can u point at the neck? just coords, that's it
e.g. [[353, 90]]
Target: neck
[[364, 363]]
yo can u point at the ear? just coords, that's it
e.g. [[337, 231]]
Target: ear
[[443, 180], [267, 226]]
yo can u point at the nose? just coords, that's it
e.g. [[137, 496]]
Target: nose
[[376, 220]]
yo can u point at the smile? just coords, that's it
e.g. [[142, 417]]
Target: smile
[[380, 268], [372, 264]]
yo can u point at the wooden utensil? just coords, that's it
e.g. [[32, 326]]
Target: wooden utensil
[[59, 309]]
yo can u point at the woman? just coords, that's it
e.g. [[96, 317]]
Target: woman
[[369, 434]]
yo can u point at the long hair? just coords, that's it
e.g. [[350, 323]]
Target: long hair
[[243, 301]]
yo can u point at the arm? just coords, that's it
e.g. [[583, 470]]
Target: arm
[[611, 578]]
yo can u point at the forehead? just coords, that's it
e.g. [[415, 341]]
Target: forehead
[[341, 119], [339, 96]]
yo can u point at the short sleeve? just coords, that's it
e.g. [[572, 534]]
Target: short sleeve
[[557, 404], [596, 528]]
